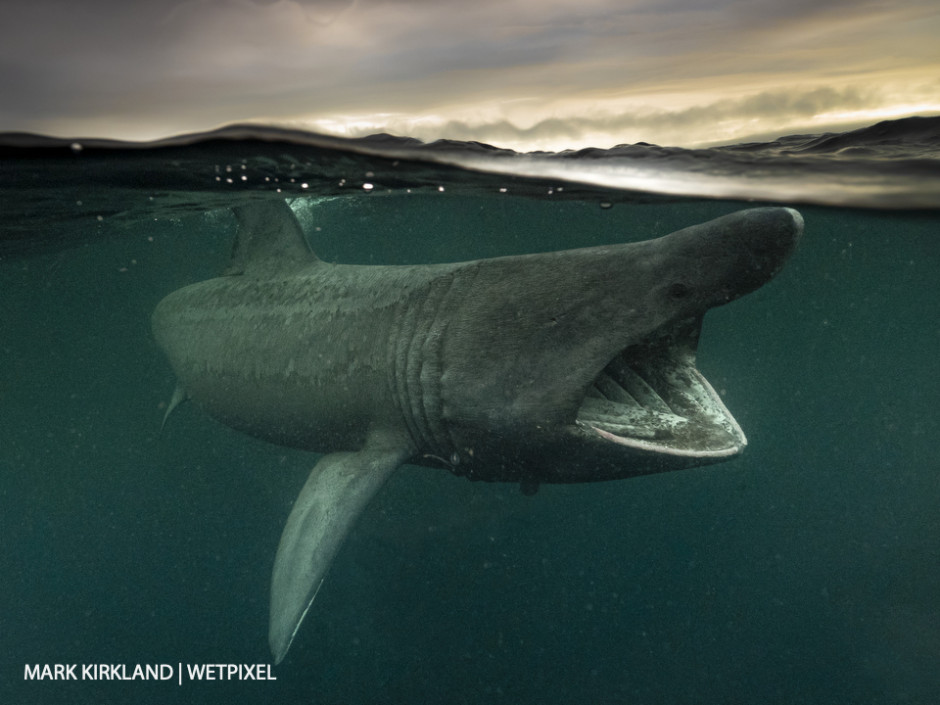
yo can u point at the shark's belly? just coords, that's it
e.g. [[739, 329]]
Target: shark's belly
[[320, 418], [296, 376]]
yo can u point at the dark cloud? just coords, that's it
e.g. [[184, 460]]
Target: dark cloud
[[117, 66]]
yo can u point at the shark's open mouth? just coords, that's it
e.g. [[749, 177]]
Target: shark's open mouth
[[651, 397]]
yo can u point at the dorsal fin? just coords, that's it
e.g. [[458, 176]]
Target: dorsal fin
[[269, 240]]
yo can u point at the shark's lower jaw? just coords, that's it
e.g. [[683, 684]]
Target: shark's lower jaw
[[652, 398]]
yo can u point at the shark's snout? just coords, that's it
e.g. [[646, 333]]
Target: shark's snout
[[766, 237], [650, 398]]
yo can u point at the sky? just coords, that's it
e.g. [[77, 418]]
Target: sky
[[524, 74]]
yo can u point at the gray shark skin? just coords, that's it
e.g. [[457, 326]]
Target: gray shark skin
[[573, 366]]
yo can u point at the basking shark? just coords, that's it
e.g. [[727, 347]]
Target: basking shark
[[573, 366]]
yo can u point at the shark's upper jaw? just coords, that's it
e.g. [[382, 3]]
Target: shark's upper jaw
[[650, 397]]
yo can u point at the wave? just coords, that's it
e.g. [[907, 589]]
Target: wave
[[46, 181]]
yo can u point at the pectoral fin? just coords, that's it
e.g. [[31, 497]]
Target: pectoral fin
[[338, 489]]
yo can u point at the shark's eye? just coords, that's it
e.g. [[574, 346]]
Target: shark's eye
[[679, 291]]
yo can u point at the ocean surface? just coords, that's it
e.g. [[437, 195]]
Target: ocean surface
[[806, 571]]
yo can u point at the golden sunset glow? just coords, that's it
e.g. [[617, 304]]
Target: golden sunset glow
[[516, 73]]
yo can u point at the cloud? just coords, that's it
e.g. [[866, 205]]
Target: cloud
[[766, 115], [483, 69]]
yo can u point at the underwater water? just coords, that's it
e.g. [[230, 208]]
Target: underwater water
[[807, 570]]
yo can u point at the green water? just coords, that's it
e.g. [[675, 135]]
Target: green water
[[806, 571]]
